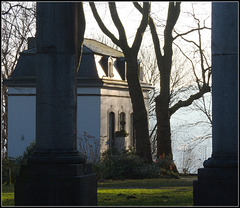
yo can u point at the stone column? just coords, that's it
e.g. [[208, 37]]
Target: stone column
[[217, 182], [56, 76], [56, 174]]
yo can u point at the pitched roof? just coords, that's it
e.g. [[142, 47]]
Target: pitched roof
[[24, 73], [102, 49], [25, 70]]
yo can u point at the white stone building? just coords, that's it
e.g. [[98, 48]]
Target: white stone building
[[103, 100]]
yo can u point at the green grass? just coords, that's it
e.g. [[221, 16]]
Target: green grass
[[147, 192], [178, 196], [7, 195]]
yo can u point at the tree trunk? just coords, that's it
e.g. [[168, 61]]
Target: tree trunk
[[163, 128], [164, 142], [140, 118]]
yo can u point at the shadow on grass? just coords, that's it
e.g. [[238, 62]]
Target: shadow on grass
[[148, 183]]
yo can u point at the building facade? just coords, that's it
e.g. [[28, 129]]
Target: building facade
[[103, 102]]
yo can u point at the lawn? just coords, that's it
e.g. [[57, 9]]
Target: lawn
[[147, 192], [178, 196], [7, 195]]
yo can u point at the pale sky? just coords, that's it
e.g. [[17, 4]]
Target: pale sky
[[130, 17]]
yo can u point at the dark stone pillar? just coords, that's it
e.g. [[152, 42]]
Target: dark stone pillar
[[56, 174], [217, 182]]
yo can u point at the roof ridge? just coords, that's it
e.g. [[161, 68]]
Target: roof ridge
[[93, 45], [101, 48], [101, 43]]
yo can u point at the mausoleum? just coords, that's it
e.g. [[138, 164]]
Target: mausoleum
[[103, 102]]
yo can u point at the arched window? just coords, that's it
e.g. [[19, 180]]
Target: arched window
[[122, 121], [111, 129], [132, 132], [110, 67]]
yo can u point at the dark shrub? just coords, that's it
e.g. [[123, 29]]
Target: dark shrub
[[10, 169], [11, 166], [28, 151], [128, 165]]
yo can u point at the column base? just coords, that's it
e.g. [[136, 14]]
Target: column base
[[56, 185], [216, 187], [56, 158]]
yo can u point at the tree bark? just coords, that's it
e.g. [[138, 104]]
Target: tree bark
[[164, 144], [140, 118]]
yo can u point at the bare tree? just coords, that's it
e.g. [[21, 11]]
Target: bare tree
[[164, 109], [204, 105], [190, 160], [103, 39], [178, 84], [149, 64], [140, 119], [18, 23]]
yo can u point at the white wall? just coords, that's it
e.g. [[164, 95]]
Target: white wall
[[88, 122], [116, 101], [22, 124], [21, 120], [92, 117]]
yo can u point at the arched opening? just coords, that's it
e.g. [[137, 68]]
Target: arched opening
[[110, 67], [111, 129], [122, 121]]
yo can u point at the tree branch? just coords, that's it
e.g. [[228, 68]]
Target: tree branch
[[142, 27], [190, 31], [189, 101], [16, 5], [204, 109], [173, 14], [102, 26], [118, 24], [154, 34], [193, 67]]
